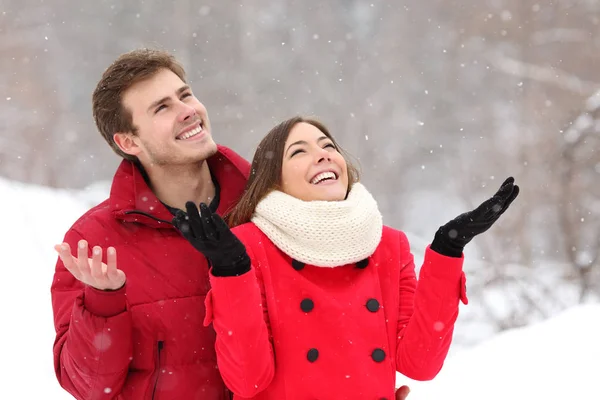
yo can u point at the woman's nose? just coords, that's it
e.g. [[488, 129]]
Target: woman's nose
[[323, 155]]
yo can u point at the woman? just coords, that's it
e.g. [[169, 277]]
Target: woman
[[312, 296]]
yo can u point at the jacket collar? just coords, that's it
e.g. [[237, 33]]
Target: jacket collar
[[132, 200]]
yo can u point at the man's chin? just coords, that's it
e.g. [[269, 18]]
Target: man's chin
[[210, 148], [206, 151]]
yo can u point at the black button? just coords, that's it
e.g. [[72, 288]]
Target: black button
[[312, 355], [362, 264], [307, 305], [378, 355], [372, 305], [297, 265]]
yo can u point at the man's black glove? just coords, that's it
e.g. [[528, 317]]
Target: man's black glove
[[451, 239], [211, 236]]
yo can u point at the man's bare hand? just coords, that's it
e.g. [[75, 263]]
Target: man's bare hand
[[402, 392], [92, 271]]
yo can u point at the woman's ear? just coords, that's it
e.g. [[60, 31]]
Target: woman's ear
[[127, 142]]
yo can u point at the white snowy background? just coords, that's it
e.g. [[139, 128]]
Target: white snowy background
[[558, 358], [438, 100]]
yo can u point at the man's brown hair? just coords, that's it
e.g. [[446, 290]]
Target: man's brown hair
[[110, 114], [265, 173]]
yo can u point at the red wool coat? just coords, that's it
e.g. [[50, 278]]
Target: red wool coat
[[145, 341], [291, 331]]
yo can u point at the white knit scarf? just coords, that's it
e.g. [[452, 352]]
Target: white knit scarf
[[322, 233]]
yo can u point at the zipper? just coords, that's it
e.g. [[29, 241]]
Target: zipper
[[160, 346], [145, 214]]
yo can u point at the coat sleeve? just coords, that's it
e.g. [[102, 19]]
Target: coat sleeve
[[93, 345], [428, 311], [237, 307]]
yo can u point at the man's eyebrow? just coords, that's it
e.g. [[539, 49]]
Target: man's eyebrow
[[183, 89], [160, 101]]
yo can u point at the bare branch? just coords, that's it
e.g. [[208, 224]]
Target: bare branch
[[544, 74], [560, 35]]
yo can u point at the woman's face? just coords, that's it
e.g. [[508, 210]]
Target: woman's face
[[312, 167]]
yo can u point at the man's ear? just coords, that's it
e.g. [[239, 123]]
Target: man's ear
[[127, 143]]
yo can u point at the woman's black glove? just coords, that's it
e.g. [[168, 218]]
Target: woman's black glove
[[211, 236], [451, 239]]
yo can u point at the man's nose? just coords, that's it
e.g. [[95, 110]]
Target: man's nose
[[186, 112]]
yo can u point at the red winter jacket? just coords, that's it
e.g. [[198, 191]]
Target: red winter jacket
[[291, 331], [145, 341]]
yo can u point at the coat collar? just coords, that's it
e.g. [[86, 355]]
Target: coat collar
[[132, 200]]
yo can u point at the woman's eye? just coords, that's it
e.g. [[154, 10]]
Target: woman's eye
[[296, 152], [329, 145], [183, 96]]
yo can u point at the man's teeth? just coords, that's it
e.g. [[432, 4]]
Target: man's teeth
[[191, 133], [322, 176]]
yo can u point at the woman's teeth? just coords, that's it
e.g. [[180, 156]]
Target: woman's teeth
[[321, 177]]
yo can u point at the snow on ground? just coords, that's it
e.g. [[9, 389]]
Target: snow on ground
[[555, 359]]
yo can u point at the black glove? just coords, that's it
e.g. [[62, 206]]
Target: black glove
[[451, 239], [211, 236]]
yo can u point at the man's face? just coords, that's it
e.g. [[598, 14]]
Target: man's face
[[172, 125]]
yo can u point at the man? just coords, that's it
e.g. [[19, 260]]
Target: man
[[133, 329]]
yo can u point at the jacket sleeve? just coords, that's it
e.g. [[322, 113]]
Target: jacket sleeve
[[237, 307], [93, 345], [428, 311]]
